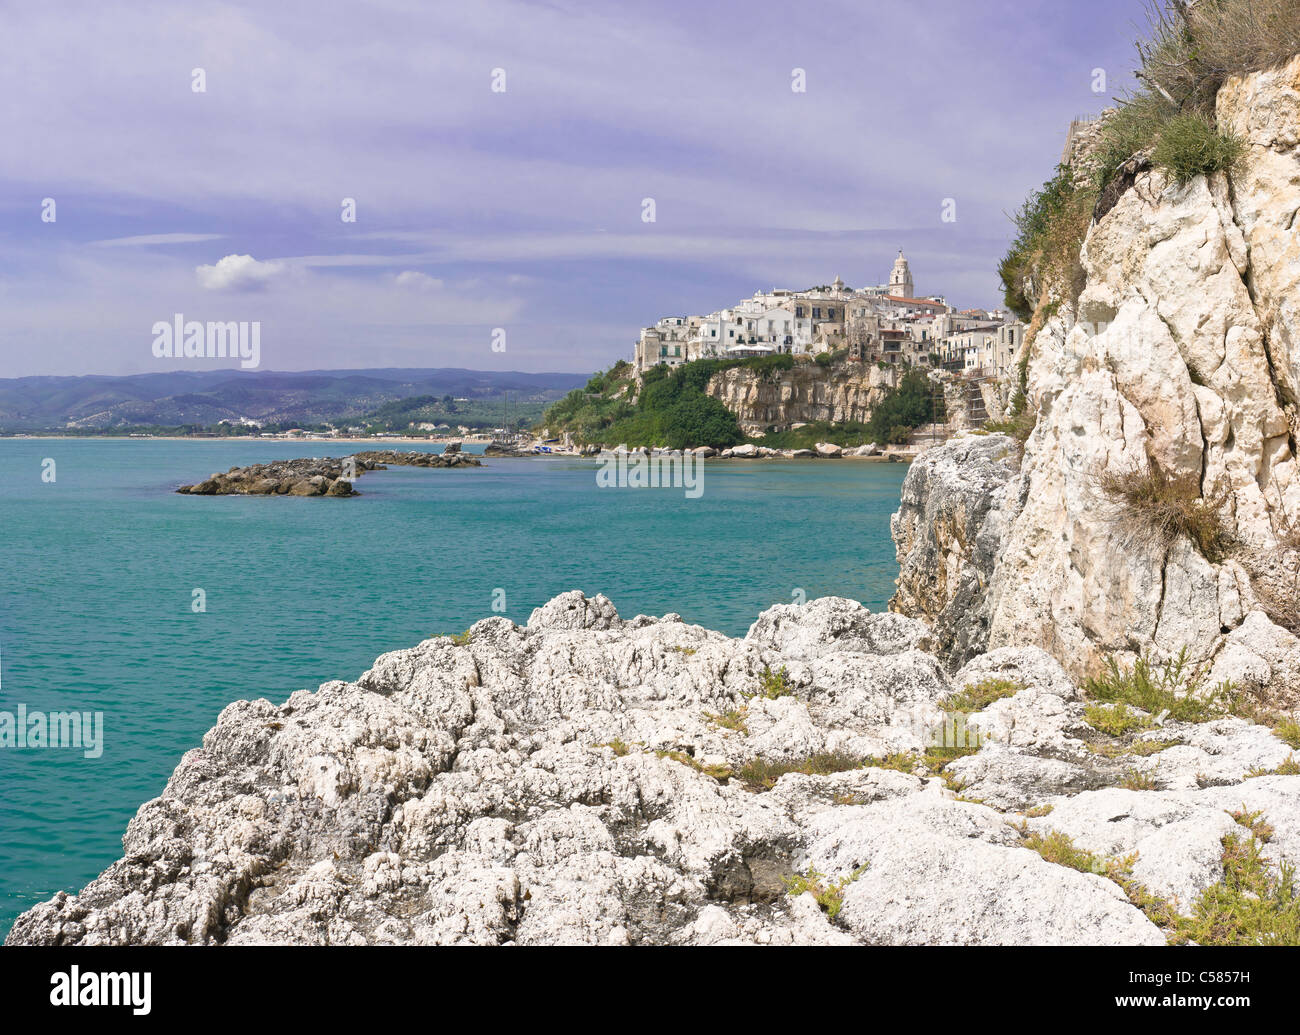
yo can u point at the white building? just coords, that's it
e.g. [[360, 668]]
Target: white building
[[886, 323]]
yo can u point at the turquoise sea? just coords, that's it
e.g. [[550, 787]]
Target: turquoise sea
[[98, 570]]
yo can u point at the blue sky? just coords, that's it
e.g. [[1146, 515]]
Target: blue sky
[[519, 209]]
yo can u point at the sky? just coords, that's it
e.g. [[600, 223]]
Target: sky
[[500, 156]]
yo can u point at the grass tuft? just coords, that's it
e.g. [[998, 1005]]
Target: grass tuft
[[978, 696], [1173, 687], [732, 719], [1161, 508], [1060, 849], [1191, 146], [760, 774], [772, 685], [1254, 903], [1136, 780], [829, 896], [1114, 720]]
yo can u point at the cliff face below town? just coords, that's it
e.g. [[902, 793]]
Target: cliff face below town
[[590, 779], [1183, 352], [806, 393]]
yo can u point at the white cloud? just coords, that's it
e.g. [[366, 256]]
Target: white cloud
[[147, 239], [238, 273], [413, 280]]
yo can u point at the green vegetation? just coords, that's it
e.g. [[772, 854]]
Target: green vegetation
[[936, 757], [1191, 52], [1114, 720], [899, 761], [461, 639], [829, 896], [761, 775], [1161, 509], [718, 772], [1173, 687], [1254, 903], [1060, 849], [1291, 767], [1288, 731], [1254, 822], [1137, 748], [848, 435], [978, 696], [672, 409], [1190, 146], [1019, 424], [587, 413], [1050, 228], [477, 414], [904, 408], [732, 719], [774, 684], [1136, 780]]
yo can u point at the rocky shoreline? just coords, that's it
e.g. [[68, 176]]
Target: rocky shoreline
[[590, 779], [749, 451], [320, 476]]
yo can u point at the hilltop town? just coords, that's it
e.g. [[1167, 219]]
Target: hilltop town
[[886, 323]]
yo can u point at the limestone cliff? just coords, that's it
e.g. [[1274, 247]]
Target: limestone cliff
[[805, 393], [1183, 352]]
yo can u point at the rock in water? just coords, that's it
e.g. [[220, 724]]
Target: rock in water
[[323, 476]]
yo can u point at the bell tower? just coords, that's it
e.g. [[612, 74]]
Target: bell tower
[[900, 278]]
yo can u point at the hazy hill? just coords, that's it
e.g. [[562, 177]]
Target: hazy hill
[[173, 398]]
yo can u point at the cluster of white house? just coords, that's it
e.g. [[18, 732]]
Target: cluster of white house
[[883, 324]]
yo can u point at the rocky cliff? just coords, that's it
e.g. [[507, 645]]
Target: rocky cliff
[[1180, 361], [589, 779], [805, 393]]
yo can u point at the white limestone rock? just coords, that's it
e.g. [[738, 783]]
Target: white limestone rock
[[572, 782]]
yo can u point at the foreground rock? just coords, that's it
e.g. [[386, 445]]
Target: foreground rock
[[587, 778], [320, 476]]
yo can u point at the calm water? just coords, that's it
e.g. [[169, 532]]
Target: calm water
[[98, 571]]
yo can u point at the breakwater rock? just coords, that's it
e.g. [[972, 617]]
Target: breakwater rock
[[318, 476], [590, 779]]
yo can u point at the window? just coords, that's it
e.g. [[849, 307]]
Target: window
[[798, 311], [817, 312]]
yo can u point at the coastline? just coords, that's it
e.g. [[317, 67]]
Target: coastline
[[884, 458]]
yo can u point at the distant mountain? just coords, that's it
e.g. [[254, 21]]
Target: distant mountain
[[98, 402]]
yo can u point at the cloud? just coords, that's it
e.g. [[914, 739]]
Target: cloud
[[238, 273], [144, 240], [413, 280]]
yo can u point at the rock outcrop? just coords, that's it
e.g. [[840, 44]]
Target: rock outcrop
[[806, 393], [1182, 355], [319, 476], [590, 779]]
